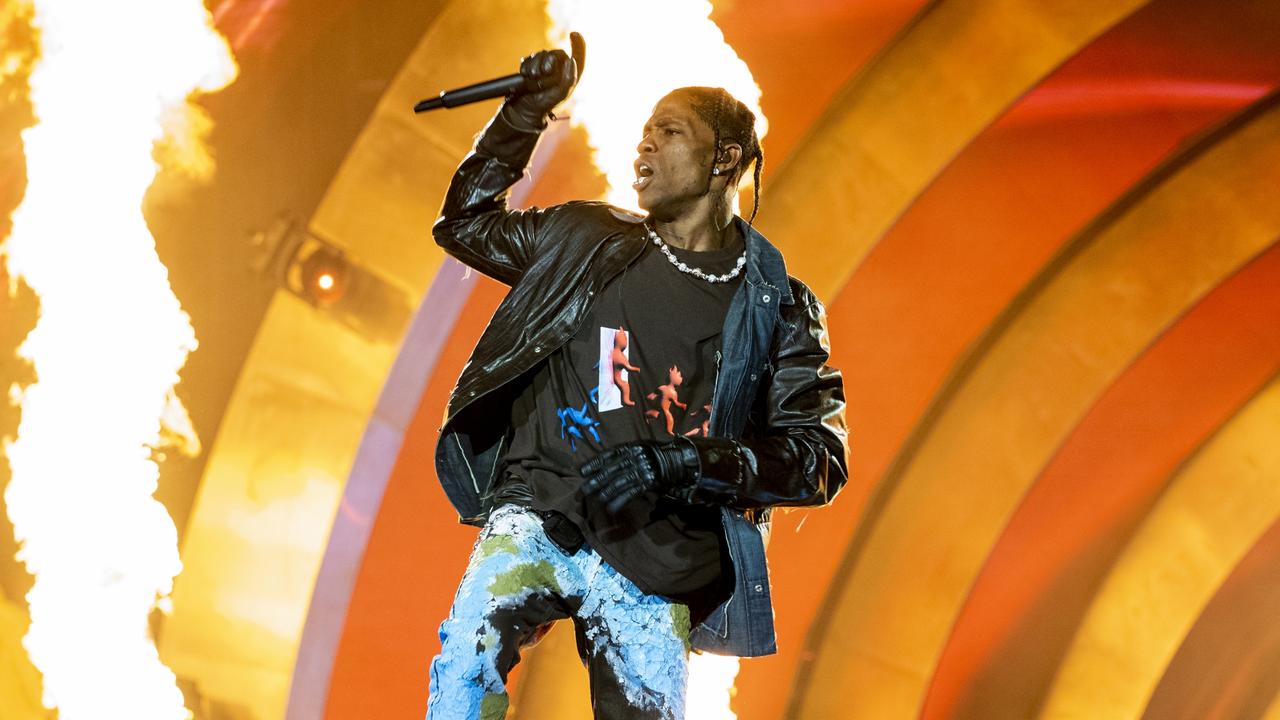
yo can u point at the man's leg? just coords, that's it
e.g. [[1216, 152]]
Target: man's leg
[[514, 584], [636, 647]]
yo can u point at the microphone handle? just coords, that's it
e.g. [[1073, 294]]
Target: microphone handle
[[498, 87]]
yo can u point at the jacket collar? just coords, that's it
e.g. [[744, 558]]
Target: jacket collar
[[764, 262]]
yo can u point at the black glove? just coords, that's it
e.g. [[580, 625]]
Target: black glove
[[554, 74], [623, 472]]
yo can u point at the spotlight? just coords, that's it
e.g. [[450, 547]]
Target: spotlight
[[330, 280], [322, 276]]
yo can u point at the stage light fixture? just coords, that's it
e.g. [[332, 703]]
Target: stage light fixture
[[329, 279], [322, 276]]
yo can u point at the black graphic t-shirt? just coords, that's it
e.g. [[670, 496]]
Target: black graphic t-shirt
[[642, 366]]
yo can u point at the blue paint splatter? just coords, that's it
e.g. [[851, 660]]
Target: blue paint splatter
[[572, 423]]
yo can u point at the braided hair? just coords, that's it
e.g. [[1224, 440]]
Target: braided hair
[[732, 121]]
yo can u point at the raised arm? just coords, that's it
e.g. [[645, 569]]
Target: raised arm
[[475, 225]]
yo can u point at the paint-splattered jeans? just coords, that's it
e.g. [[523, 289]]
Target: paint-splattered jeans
[[635, 646]]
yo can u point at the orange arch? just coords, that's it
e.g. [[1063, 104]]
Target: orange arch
[[1023, 609], [973, 239], [414, 559], [1229, 664]]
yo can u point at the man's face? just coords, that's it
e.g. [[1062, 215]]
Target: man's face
[[674, 158]]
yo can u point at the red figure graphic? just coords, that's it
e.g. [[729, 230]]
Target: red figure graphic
[[620, 362], [705, 428], [669, 396]]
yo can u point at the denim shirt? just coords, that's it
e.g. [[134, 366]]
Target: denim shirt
[[744, 624]]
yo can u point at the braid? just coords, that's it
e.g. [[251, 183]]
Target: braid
[[755, 184], [715, 128]]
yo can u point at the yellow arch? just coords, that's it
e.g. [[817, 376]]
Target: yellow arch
[[894, 127], [384, 198], [553, 684], [1273, 712], [1093, 310], [292, 427], [1214, 511]]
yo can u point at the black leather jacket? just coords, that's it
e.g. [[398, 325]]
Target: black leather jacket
[[777, 432]]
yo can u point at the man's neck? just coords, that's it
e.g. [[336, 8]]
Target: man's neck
[[697, 231]]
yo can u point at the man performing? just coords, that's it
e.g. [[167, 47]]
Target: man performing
[[644, 533]]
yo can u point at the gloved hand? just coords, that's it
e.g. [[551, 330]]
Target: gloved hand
[[554, 74], [623, 472]]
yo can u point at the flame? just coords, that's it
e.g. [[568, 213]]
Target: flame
[[711, 679], [108, 345], [638, 51]]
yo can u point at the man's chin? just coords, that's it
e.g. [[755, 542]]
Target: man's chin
[[654, 207]]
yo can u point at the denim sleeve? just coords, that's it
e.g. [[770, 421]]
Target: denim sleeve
[[798, 455]]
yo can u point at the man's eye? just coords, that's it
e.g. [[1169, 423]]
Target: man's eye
[[672, 131]]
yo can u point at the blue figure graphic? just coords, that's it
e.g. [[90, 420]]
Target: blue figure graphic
[[572, 420]]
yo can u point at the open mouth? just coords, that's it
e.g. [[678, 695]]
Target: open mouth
[[644, 173]]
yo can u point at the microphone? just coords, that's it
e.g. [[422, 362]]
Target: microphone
[[499, 87]]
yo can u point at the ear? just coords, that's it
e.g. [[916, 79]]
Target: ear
[[729, 160]]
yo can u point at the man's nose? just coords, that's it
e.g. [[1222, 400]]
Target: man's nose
[[646, 145]]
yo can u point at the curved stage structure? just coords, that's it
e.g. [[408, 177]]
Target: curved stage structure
[[1048, 238]]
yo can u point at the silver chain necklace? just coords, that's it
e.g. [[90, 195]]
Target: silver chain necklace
[[689, 269]]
